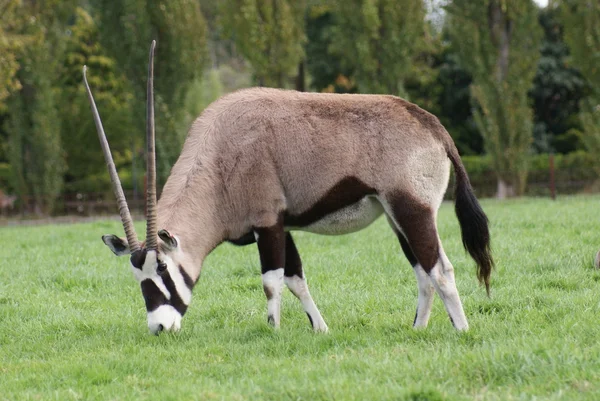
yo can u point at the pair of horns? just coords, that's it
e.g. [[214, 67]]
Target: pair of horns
[[151, 230]]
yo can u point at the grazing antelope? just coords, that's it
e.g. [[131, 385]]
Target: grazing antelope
[[259, 163]]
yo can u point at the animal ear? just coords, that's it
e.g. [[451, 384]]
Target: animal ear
[[119, 246], [169, 240]]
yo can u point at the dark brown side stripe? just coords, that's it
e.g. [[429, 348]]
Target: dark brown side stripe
[[345, 193]]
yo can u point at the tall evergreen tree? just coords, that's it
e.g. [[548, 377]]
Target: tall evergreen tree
[[582, 28], [10, 42], [498, 42], [126, 29], [86, 170], [269, 34], [376, 39], [557, 90], [35, 151]]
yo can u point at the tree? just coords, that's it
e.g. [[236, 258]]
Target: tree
[[126, 29], [376, 40], [582, 32], [35, 152], [269, 34], [325, 68], [558, 87], [86, 170], [498, 42], [10, 42]]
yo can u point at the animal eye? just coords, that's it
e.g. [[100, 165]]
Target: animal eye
[[161, 268]]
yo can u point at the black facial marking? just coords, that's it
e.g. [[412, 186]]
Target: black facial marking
[[186, 278], [161, 268], [345, 193], [138, 258], [175, 300], [310, 318], [152, 295]]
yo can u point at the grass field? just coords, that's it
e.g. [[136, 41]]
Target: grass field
[[72, 318]]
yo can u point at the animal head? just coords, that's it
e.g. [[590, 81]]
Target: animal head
[[166, 287], [158, 267]]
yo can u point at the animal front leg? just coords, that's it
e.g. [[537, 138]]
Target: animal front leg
[[271, 248], [296, 282]]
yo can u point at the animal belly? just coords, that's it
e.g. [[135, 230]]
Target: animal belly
[[347, 220]]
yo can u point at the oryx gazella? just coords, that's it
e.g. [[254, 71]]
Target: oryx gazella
[[261, 162]]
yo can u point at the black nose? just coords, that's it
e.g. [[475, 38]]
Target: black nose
[[160, 328]]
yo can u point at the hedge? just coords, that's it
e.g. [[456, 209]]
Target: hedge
[[573, 173]]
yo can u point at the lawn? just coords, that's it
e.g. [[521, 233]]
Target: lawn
[[72, 318]]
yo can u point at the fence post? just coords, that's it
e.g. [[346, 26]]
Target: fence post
[[552, 184]]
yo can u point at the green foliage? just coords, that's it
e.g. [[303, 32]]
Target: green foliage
[[270, 35], [324, 66], [582, 32], [557, 90], [126, 29], [76, 328], [572, 174], [85, 162], [498, 42], [376, 40], [10, 42], [34, 127]]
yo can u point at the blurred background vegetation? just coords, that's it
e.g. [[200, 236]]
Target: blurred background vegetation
[[512, 80]]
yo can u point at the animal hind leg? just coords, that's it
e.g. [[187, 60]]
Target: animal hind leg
[[271, 249], [426, 289], [296, 282], [417, 221]]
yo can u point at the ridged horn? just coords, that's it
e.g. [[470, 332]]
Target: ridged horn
[[134, 244], [151, 229]]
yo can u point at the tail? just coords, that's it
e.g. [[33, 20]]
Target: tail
[[473, 221]]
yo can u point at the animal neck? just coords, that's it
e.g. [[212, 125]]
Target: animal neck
[[195, 223]]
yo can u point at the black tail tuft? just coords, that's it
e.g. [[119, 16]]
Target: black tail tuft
[[473, 222]]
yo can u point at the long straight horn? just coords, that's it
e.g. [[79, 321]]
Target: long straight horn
[[134, 244], [151, 230]]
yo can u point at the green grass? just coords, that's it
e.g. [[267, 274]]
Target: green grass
[[72, 318]]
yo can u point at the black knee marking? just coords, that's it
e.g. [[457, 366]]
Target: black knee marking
[[416, 315], [451, 320], [271, 320]]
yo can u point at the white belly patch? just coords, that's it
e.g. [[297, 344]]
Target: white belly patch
[[347, 220]]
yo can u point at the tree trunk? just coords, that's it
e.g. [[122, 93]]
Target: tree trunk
[[505, 189], [300, 78], [501, 29]]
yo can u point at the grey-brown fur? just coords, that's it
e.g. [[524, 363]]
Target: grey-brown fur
[[262, 161], [257, 152]]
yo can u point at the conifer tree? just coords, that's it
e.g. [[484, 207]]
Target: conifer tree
[[498, 42]]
